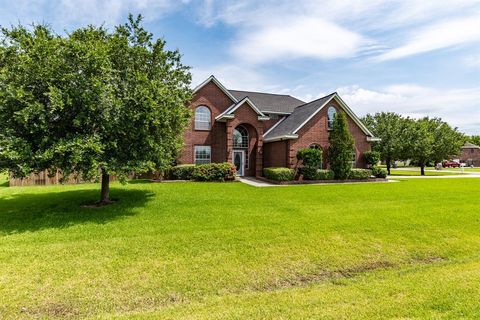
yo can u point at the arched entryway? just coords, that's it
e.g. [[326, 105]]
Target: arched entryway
[[244, 152]]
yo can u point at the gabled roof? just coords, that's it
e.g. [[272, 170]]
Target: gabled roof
[[269, 102], [229, 112], [289, 128], [469, 145], [218, 84]]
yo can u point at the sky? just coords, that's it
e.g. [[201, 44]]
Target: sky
[[416, 58]]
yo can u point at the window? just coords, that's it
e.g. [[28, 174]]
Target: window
[[240, 141], [202, 118], [315, 146], [331, 116], [240, 137], [354, 160], [203, 154]]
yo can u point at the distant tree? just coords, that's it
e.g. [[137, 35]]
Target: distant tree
[[95, 103], [390, 128], [474, 139], [431, 140], [341, 147]]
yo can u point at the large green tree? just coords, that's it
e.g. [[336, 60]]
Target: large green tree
[[474, 139], [341, 147], [390, 128], [94, 102]]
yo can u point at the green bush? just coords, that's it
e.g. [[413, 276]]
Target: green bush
[[379, 172], [182, 172], [372, 157], [316, 174], [359, 174], [311, 157], [214, 172], [279, 174]]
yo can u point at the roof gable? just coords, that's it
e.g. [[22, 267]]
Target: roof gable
[[219, 85], [289, 128], [230, 112]]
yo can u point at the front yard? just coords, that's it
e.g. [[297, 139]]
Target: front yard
[[227, 250]]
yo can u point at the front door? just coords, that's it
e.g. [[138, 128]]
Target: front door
[[239, 161]]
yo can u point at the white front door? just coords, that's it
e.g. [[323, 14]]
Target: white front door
[[239, 161]]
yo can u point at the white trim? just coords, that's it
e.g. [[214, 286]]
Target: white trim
[[263, 118], [274, 126], [373, 139], [219, 85], [313, 114], [276, 112], [279, 138]]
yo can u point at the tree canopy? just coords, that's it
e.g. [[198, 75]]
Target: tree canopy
[[94, 102]]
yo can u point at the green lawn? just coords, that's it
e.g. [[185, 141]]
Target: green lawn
[[230, 251], [416, 172]]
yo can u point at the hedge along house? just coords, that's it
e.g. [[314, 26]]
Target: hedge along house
[[254, 130]]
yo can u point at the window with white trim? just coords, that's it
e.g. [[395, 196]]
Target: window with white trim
[[203, 118], [354, 159], [203, 154], [331, 116]]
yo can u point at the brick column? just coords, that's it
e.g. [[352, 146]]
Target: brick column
[[259, 155], [229, 128]]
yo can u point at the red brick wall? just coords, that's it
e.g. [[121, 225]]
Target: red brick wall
[[212, 97], [316, 131], [275, 154], [467, 154]]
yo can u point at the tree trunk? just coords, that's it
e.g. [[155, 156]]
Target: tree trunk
[[388, 161], [422, 169], [105, 193]]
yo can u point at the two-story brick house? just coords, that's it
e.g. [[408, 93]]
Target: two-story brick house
[[254, 130], [470, 154]]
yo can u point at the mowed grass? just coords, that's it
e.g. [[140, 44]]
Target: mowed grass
[[416, 172], [227, 251]]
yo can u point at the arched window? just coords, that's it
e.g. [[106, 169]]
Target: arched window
[[315, 146], [203, 119], [240, 137], [331, 116]]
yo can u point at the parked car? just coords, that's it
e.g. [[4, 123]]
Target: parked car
[[450, 164]]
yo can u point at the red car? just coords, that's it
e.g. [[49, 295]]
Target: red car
[[450, 164]]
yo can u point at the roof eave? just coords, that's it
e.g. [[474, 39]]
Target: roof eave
[[280, 138]]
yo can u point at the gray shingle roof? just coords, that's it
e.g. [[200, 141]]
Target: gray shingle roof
[[269, 101], [299, 116]]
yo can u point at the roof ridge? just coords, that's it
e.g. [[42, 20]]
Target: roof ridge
[[328, 95], [274, 94]]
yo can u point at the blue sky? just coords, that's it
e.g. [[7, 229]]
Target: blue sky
[[413, 57]]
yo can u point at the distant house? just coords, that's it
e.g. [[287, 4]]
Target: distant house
[[470, 154], [254, 130]]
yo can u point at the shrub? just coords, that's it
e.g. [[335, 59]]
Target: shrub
[[372, 157], [182, 172], [311, 157], [359, 174], [379, 172], [341, 147], [214, 172], [279, 174], [316, 174]]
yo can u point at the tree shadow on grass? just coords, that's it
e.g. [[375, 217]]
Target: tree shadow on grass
[[23, 212]]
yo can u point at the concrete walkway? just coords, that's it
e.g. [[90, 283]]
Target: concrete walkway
[[256, 182], [260, 183]]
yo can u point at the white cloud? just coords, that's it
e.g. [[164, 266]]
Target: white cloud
[[459, 107], [302, 37], [438, 36]]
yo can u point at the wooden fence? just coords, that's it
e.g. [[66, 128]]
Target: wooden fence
[[42, 179]]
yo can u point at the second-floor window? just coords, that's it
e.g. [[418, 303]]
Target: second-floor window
[[331, 116], [203, 118]]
